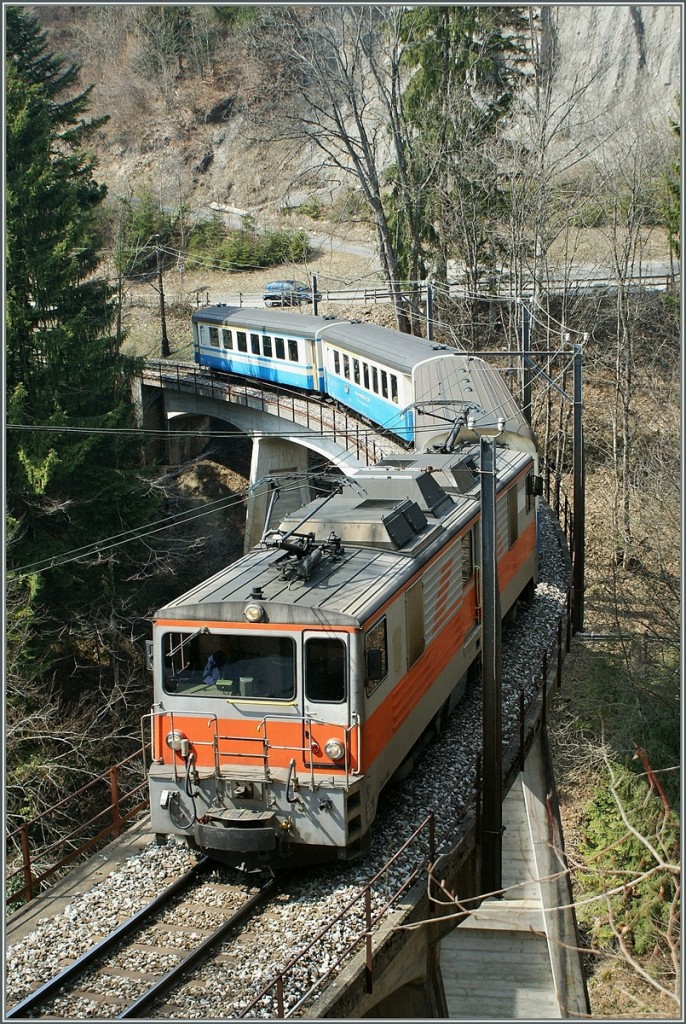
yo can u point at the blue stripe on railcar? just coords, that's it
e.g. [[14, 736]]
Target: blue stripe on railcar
[[379, 410], [273, 371]]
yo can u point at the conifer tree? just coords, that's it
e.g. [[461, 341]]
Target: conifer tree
[[64, 370]]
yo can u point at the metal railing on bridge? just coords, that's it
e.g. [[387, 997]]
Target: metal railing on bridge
[[326, 418]]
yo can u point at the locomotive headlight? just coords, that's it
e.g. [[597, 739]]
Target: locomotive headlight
[[175, 740], [335, 750], [254, 612]]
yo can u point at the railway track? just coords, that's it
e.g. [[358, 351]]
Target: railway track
[[182, 927]]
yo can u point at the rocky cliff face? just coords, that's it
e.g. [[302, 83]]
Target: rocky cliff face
[[630, 56]]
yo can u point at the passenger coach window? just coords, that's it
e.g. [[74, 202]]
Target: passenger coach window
[[280, 348], [337, 362], [394, 389], [325, 670], [214, 337], [384, 384], [255, 344], [356, 370], [267, 345], [292, 350], [227, 339], [375, 656], [346, 367], [242, 341], [365, 375], [375, 379]]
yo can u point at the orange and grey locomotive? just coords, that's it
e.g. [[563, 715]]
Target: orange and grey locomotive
[[294, 684]]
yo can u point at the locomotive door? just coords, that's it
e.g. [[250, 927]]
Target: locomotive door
[[326, 702]]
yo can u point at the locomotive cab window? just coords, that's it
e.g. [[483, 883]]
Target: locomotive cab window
[[325, 670], [241, 666]]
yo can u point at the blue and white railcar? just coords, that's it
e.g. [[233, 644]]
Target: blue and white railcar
[[259, 343], [407, 385]]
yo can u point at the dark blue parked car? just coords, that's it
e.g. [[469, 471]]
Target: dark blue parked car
[[287, 293]]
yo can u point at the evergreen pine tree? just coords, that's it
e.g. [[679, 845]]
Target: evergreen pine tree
[[64, 369]]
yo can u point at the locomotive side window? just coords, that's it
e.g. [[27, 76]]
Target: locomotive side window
[[394, 388], [214, 337], [255, 344], [293, 350], [356, 370], [227, 338], [242, 341], [375, 656], [280, 348], [384, 384], [512, 515], [414, 622], [325, 670], [346, 367], [267, 345]]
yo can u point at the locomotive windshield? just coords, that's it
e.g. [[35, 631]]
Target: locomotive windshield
[[203, 664]]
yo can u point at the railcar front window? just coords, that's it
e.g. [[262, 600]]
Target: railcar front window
[[325, 670], [239, 666]]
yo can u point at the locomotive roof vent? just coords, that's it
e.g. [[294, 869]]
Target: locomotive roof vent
[[256, 594]]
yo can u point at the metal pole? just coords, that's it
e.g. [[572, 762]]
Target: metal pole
[[163, 319], [526, 367], [492, 814], [578, 541], [429, 311], [315, 305]]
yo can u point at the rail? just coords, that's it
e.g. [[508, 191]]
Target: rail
[[325, 418], [31, 847], [421, 847]]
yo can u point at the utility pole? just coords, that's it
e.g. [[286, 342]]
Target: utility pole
[[526, 364], [429, 311], [315, 305], [492, 788], [578, 537], [163, 318]]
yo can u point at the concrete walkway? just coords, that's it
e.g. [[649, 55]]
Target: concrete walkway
[[514, 957]]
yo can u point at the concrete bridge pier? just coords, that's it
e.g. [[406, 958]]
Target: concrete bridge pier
[[274, 457]]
